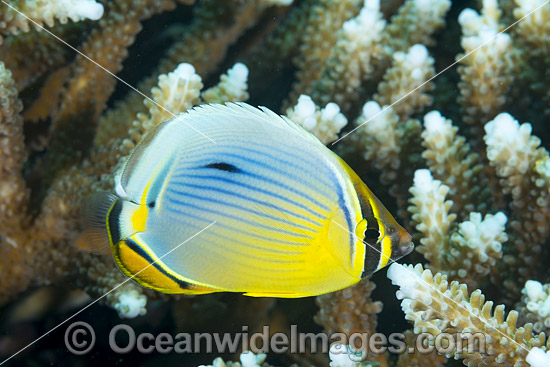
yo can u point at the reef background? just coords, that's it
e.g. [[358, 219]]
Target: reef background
[[65, 125]]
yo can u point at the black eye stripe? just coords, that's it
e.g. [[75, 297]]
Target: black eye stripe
[[372, 257], [223, 167], [372, 224], [368, 215], [373, 248], [371, 236]]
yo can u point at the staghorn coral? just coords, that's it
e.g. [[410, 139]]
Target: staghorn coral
[[325, 124], [466, 251], [478, 211], [535, 305], [486, 73], [437, 306], [320, 36], [409, 72], [353, 58], [48, 53], [247, 359], [538, 358], [349, 311], [518, 160], [381, 134], [415, 23], [203, 44], [345, 356], [450, 159], [13, 193], [346, 60], [418, 359], [533, 30], [231, 88], [15, 16], [352, 312]]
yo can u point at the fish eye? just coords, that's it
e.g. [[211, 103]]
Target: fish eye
[[151, 204], [371, 236], [372, 233]]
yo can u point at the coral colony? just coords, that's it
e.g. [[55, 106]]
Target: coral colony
[[459, 154]]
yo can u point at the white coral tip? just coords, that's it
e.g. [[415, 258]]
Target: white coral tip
[[395, 270], [330, 111], [344, 356], [185, 70], [370, 109], [131, 304], [280, 2], [249, 359], [305, 106], [423, 178], [434, 122], [487, 34], [304, 112], [503, 127], [534, 290], [494, 224], [372, 4], [424, 5], [501, 218], [406, 279], [218, 362], [89, 9], [235, 81], [418, 54], [530, 5], [538, 358], [239, 72], [468, 17]]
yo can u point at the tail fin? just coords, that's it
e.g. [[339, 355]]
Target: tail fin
[[96, 210]]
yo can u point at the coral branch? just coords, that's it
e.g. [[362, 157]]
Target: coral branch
[[535, 305], [13, 193], [521, 164], [487, 72], [404, 82], [436, 307], [349, 311], [15, 16], [324, 123], [467, 252], [450, 159]]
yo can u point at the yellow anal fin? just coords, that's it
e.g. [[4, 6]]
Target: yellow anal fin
[[140, 270], [277, 295], [195, 290], [138, 265]]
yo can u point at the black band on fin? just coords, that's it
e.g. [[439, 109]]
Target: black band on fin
[[138, 250], [96, 220]]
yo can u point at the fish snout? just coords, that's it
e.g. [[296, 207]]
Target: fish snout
[[404, 246]]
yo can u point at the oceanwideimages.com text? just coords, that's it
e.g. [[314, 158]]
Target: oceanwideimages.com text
[[80, 339]]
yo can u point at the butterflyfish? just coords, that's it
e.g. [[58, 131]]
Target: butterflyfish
[[286, 216]]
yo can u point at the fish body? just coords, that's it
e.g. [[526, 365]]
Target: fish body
[[288, 217]]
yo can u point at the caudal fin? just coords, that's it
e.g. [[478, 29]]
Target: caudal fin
[[96, 209]]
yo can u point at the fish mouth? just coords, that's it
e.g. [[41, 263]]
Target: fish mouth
[[403, 248]]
